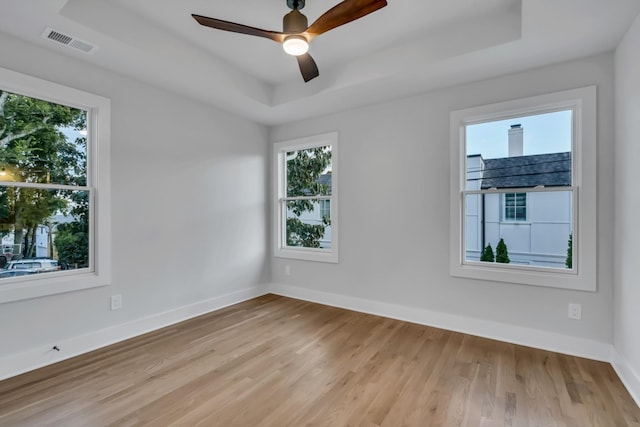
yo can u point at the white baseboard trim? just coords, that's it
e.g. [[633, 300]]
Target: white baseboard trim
[[529, 337], [29, 360], [629, 377]]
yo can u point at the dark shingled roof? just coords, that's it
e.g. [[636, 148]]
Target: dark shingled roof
[[550, 170], [325, 179]]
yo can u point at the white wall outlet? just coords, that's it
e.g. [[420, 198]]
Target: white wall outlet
[[116, 302], [575, 311], [287, 270]]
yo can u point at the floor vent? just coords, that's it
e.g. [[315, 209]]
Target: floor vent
[[67, 40]]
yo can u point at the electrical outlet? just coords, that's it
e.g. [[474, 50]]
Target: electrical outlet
[[116, 302], [575, 311], [287, 270]]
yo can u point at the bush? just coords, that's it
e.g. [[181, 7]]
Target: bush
[[487, 254], [502, 255], [569, 261]]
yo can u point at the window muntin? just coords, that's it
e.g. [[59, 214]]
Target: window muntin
[[56, 169], [306, 188], [576, 191]]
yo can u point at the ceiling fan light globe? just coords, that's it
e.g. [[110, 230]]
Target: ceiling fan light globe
[[295, 45]]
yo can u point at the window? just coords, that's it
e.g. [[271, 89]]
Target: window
[[306, 191], [523, 189], [515, 206], [54, 188], [325, 208]]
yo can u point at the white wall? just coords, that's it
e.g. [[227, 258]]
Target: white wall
[[395, 167], [188, 207], [627, 208]]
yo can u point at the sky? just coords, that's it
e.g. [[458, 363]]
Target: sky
[[543, 133]]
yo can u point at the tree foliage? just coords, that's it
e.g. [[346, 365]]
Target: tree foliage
[[72, 243], [487, 254], [569, 261], [304, 169], [34, 149], [502, 254]]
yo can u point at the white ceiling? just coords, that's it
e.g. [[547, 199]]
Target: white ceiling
[[407, 47]]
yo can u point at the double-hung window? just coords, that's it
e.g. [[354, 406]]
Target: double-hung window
[[523, 186], [54, 188], [306, 189]]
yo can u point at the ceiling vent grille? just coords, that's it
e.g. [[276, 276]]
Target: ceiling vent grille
[[72, 42]]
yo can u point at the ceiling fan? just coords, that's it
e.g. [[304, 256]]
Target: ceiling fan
[[296, 33]]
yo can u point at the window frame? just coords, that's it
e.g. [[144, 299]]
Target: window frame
[[98, 110], [281, 250], [583, 274]]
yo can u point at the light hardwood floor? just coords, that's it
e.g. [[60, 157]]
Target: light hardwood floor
[[275, 361]]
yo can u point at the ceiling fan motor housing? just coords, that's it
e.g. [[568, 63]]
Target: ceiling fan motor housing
[[294, 22]]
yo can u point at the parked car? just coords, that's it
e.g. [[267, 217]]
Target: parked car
[[40, 265], [17, 272]]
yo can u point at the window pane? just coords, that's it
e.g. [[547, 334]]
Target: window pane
[[41, 141], [543, 240], [40, 226], [308, 223], [515, 207], [309, 172], [521, 152]]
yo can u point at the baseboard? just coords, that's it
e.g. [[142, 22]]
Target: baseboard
[[629, 377], [29, 360], [529, 337]]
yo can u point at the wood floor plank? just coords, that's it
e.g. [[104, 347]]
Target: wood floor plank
[[275, 361]]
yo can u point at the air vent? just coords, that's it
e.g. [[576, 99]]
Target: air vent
[[67, 40]]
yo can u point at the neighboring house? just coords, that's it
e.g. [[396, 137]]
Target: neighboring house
[[41, 244], [534, 225], [43, 239]]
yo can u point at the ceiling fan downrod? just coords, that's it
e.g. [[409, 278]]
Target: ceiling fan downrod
[[295, 4]]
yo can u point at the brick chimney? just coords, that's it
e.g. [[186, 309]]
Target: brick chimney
[[516, 146]]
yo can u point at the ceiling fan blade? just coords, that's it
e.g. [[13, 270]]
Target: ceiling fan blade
[[342, 13], [239, 28], [308, 67]]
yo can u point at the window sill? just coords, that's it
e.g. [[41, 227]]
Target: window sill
[[524, 275], [18, 290], [308, 254]]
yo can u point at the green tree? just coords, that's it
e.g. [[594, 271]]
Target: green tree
[[502, 255], [569, 261], [33, 149], [304, 169], [72, 239], [487, 254], [72, 243]]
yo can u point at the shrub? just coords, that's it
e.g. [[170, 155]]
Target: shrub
[[487, 254], [569, 261], [502, 254]]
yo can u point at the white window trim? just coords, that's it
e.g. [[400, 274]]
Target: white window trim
[[583, 275], [279, 178], [99, 165]]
